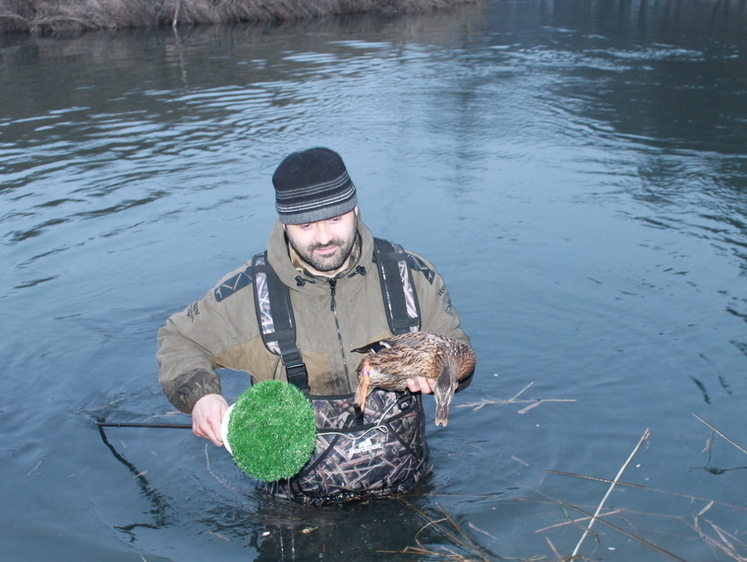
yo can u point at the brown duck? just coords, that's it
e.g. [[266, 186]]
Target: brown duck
[[390, 362]]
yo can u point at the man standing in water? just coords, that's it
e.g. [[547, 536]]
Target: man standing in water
[[345, 289]]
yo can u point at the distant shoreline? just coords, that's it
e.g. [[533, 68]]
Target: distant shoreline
[[60, 16]]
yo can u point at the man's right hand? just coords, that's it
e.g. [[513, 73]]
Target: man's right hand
[[207, 416]]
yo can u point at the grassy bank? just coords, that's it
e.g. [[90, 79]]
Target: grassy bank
[[52, 16]]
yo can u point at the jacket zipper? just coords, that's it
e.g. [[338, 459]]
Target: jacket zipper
[[333, 308]]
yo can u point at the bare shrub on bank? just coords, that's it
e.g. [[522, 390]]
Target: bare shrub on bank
[[51, 16]]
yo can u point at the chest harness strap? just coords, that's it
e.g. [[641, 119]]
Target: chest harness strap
[[275, 312]]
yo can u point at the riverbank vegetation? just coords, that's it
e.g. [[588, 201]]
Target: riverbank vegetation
[[51, 16]]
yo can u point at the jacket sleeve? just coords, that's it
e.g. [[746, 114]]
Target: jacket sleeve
[[186, 370], [190, 343]]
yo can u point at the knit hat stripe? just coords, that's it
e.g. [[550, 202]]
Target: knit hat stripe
[[305, 205], [317, 190], [313, 185]]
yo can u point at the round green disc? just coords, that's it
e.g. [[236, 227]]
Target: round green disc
[[271, 430]]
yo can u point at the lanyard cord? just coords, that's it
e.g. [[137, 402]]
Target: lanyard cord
[[382, 427]]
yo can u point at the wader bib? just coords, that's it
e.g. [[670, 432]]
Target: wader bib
[[379, 452]]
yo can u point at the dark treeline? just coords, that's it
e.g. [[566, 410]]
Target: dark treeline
[[54, 16]]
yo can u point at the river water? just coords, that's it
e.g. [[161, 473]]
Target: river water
[[576, 170]]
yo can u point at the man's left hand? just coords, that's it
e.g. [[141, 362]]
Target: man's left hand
[[421, 384]]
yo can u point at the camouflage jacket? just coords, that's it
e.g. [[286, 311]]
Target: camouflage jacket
[[221, 330]]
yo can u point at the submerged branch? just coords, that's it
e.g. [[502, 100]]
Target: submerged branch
[[721, 434], [643, 541], [464, 542], [657, 490], [533, 402], [609, 490]]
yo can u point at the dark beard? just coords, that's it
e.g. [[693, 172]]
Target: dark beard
[[331, 263]]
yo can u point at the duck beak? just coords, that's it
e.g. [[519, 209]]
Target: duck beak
[[442, 414], [443, 393]]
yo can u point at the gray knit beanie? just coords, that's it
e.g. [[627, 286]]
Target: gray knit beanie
[[313, 185]]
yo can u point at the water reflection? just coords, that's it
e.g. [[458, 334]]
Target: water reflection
[[160, 505], [233, 512], [575, 169]]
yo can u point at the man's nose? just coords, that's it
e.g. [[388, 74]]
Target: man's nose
[[323, 234]]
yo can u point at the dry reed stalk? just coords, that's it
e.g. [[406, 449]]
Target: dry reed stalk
[[471, 526], [575, 521], [465, 542], [552, 547], [533, 402], [468, 540], [643, 438], [587, 515], [725, 542], [222, 481], [426, 552], [721, 434], [657, 490], [643, 541]]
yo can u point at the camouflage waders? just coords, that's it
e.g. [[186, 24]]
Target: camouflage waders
[[386, 452]]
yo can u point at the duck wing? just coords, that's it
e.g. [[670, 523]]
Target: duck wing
[[411, 339]]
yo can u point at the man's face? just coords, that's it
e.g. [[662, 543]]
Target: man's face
[[325, 245]]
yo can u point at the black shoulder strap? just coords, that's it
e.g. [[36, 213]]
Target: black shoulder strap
[[275, 312], [276, 321], [397, 289]]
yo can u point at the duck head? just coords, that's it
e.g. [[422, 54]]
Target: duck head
[[446, 385]]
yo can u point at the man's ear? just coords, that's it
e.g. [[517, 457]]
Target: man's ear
[[357, 211]]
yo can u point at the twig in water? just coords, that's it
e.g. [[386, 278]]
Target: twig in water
[[708, 446], [210, 470], [426, 552], [726, 542], [521, 391], [623, 531], [146, 425], [554, 550], [471, 526], [566, 506], [721, 434], [467, 543], [468, 540], [530, 407], [517, 459], [609, 490], [533, 403], [33, 469], [579, 520], [688, 496]]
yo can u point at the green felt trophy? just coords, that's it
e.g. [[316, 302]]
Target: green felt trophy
[[270, 430]]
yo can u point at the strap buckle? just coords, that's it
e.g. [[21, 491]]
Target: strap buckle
[[295, 369]]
